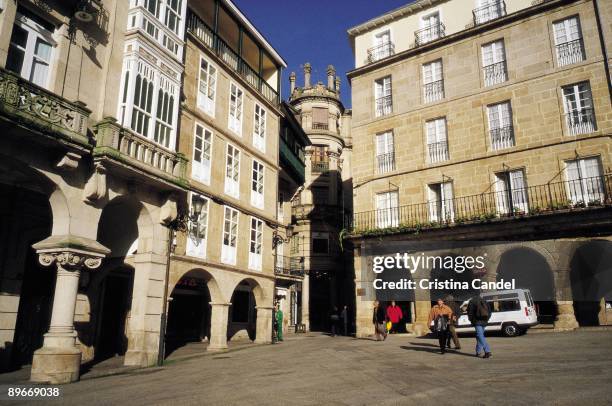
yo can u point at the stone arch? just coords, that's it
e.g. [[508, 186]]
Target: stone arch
[[215, 292], [247, 296], [530, 268]]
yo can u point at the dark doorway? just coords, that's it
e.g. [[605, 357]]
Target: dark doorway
[[243, 312], [320, 303], [115, 305]]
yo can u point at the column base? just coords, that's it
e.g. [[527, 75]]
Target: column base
[[140, 358], [56, 365], [216, 347], [565, 322]]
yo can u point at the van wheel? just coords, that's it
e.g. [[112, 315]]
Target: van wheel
[[511, 330]]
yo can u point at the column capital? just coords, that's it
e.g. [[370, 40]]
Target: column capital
[[70, 253], [219, 304]]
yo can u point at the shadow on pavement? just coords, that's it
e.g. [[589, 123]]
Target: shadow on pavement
[[432, 348]]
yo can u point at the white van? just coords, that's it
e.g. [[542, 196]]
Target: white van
[[512, 312]]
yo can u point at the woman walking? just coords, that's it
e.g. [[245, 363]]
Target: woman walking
[[441, 315], [379, 320]]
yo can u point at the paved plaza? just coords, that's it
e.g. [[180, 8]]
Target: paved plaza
[[549, 368]]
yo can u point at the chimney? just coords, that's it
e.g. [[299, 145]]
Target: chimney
[[307, 70], [331, 73], [292, 82], [337, 84]]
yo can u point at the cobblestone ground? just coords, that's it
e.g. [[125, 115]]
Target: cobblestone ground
[[554, 368]]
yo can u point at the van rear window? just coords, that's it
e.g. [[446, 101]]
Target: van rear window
[[505, 305]]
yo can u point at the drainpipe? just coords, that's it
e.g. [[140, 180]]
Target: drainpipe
[[602, 42]]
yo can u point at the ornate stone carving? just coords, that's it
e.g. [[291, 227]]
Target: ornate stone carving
[[69, 161], [96, 189], [69, 260]]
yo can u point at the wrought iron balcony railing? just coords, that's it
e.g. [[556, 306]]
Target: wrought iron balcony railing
[[495, 73], [502, 137], [438, 152], [433, 91], [565, 196], [385, 162], [581, 121], [320, 126], [384, 106], [204, 33], [570, 52], [489, 12], [289, 266], [320, 166], [381, 51], [23, 102], [428, 34]]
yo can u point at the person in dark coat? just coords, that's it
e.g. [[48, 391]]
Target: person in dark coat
[[479, 315], [344, 317], [379, 319]]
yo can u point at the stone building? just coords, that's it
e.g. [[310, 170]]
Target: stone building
[[489, 122], [124, 106], [319, 209]]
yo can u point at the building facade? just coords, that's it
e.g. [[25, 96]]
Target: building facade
[[319, 209], [144, 205], [491, 123]]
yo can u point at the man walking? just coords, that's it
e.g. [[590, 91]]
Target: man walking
[[452, 333], [479, 315], [279, 323]]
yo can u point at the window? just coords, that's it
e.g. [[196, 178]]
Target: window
[[295, 244], [500, 125], [257, 185], [320, 118], [255, 244], [431, 29], [207, 87], [196, 238], [511, 192], [433, 83], [584, 181], [441, 202], [230, 236], [152, 6], [437, 140], [235, 109], [30, 48], [164, 116], [383, 47], [173, 15], [143, 100], [385, 152], [488, 10], [578, 104], [232, 171], [320, 243], [280, 213], [202, 150], [319, 159], [387, 209], [568, 41], [259, 128], [494, 63], [382, 94]]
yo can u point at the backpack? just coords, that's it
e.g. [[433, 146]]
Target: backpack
[[482, 310], [441, 324]]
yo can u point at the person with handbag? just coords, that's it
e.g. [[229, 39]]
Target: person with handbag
[[441, 315], [379, 320]]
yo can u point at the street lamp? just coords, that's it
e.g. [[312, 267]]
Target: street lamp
[[180, 223]]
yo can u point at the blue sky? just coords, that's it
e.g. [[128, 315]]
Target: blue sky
[[313, 31]]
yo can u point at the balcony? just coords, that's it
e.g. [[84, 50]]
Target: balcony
[[288, 157], [384, 106], [429, 33], [438, 152], [292, 267], [570, 52], [495, 73], [385, 162], [320, 166], [320, 126], [502, 138], [489, 12], [29, 105], [433, 91], [200, 30], [138, 156], [581, 121], [558, 197], [381, 51]]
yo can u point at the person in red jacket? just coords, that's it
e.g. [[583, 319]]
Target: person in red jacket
[[394, 314]]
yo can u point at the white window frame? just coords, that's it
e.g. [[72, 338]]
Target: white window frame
[[229, 235], [260, 117], [581, 118], [378, 42], [232, 171], [258, 171], [201, 168], [256, 244], [425, 22], [499, 116], [385, 152], [511, 183], [236, 109], [387, 209], [563, 35], [207, 87], [433, 72], [197, 231], [587, 187], [441, 207], [382, 89], [436, 132], [34, 33], [493, 56]]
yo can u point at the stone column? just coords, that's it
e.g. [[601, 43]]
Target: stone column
[[263, 333], [291, 83], [219, 314], [331, 76], [307, 70], [306, 301], [422, 307], [59, 359], [306, 197], [334, 175]]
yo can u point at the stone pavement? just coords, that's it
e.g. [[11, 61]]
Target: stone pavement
[[557, 368]]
